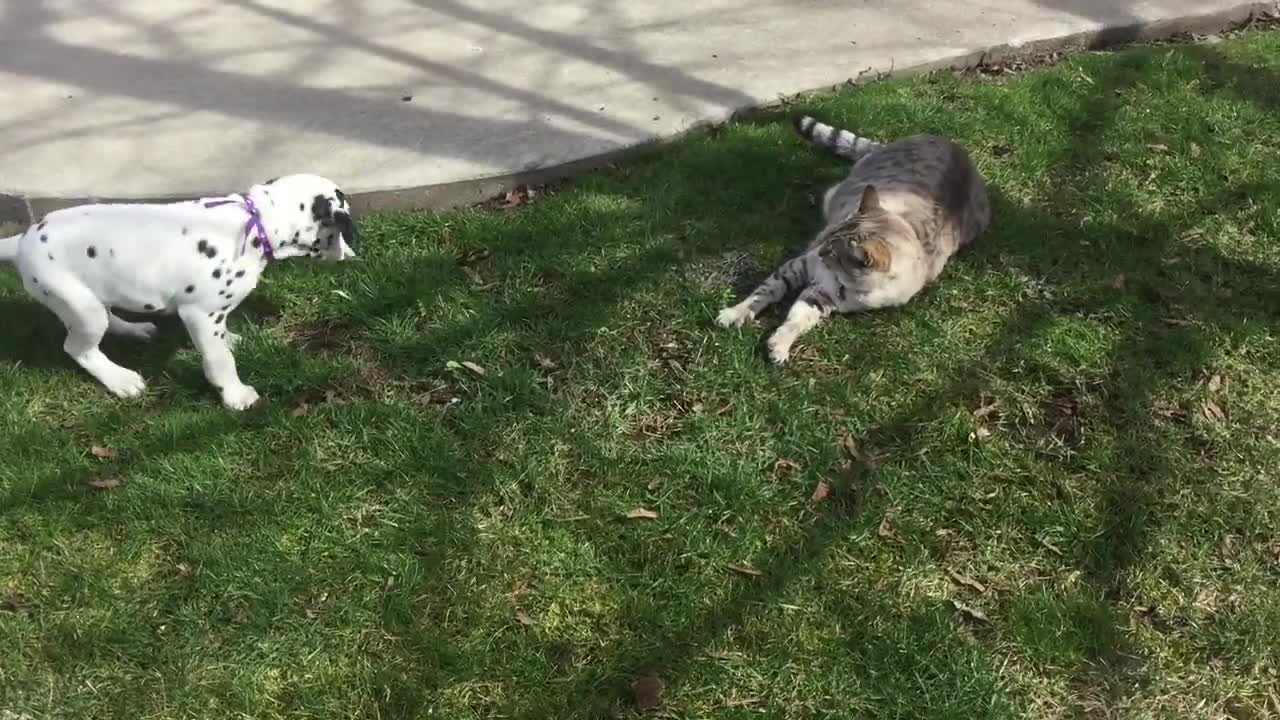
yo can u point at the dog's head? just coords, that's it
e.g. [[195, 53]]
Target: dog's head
[[308, 215]]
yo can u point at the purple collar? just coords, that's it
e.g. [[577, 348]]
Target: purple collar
[[254, 227]]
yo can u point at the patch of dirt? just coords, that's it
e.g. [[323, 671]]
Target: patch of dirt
[[1055, 424], [1001, 64], [323, 335], [734, 270], [522, 195], [655, 426]]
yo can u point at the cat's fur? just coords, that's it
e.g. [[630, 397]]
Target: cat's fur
[[891, 225]]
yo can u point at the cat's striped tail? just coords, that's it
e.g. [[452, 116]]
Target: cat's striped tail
[[836, 140]]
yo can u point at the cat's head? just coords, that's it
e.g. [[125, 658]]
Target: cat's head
[[863, 243]]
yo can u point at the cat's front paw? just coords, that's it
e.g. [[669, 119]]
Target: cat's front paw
[[779, 353], [733, 317]]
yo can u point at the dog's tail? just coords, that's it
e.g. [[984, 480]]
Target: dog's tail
[[836, 140], [9, 248]]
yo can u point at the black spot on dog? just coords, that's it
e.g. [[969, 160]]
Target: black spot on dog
[[302, 206], [257, 242], [342, 197], [186, 230], [191, 289], [229, 281], [296, 238], [111, 252], [239, 273], [212, 314], [44, 238], [226, 308], [272, 181], [46, 293], [50, 257], [35, 281], [148, 306], [40, 227], [217, 274], [218, 320], [92, 252]]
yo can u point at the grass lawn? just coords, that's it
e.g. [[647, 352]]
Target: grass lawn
[[1045, 489]]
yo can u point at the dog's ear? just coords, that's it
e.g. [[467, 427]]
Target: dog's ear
[[325, 213], [346, 227]]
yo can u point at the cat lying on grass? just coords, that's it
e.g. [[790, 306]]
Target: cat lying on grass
[[891, 226]]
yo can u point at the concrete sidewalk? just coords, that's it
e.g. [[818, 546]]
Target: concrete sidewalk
[[427, 99]]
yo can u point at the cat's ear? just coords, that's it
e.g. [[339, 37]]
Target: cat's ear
[[870, 200]]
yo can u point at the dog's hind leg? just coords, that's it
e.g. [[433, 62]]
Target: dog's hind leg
[[87, 320], [117, 325], [210, 336]]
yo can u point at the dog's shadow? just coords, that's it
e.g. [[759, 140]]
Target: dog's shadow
[[32, 336]]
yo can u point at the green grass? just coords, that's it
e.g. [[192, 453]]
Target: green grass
[[421, 541]]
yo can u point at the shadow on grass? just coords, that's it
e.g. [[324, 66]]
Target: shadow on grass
[[637, 240]]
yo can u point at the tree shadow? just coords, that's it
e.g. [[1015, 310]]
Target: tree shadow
[[641, 238]]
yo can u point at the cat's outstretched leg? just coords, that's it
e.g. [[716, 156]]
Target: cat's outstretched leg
[[793, 275], [812, 307]]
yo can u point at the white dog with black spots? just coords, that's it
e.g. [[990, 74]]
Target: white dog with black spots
[[198, 259]]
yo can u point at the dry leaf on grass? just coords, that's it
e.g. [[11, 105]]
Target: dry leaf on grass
[[850, 447], [1050, 547], [523, 618], [966, 581], [517, 197], [744, 569], [1215, 383], [1118, 282], [545, 362], [14, 601], [102, 453], [1159, 147], [979, 435], [642, 514], [820, 492], [783, 465], [110, 483], [240, 616], [648, 691], [454, 365], [987, 409], [389, 584], [971, 614], [886, 530], [1213, 411], [184, 570]]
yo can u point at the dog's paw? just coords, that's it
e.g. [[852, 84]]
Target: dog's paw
[[143, 331], [732, 317], [241, 397], [124, 383]]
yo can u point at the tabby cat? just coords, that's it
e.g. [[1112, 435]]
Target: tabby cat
[[891, 225]]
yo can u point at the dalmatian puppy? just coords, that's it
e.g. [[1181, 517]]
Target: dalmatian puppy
[[196, 259]]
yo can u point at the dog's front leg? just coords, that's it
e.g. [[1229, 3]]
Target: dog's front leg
[[209, 337]]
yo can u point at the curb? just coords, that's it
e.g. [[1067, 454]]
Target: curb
[[24, 210]]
